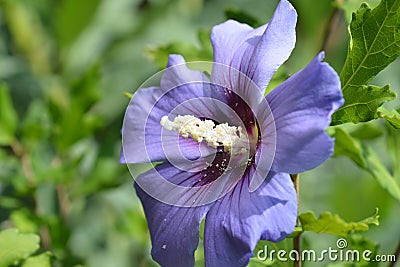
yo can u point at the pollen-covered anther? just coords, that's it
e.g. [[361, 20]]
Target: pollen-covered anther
[[232, 138]]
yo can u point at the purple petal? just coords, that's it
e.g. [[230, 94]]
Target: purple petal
[[197, 183], [142, 135], [133, 130], [174, 230], [227, 37], [257, 53], [302, 107], [236, 222]]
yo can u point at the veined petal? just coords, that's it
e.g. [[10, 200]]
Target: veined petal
[[143, 139], [273, 48], [302, 107], [174, 230], [141, 132], [236, 222], [257, 53], [227, 37]]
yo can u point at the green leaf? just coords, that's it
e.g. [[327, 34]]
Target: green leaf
[[159, 54], [374, 219], [23, 219], [361, 103], [393, 144], [42, 260], [9, 202], [365, 158], [69, 29], [202, 223], [392, 116], [8, 117], [15, 246], [28, 34], [84, 94], [349, 6], [333, 224], [347, 146], [367, 131], [374, 44], [380, 173], [36, 123], [241, 16]]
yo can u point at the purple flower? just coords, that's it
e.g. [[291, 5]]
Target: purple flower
[[222, 150]]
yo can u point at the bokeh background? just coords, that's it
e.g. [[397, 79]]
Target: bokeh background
[[67, 65]]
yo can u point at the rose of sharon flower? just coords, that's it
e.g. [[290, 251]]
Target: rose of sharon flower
[[223, 150]]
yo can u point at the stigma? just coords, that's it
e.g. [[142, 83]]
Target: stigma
[[232, 138]]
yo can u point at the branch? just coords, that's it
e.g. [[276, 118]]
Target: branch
[[331, 26], [297, 239]]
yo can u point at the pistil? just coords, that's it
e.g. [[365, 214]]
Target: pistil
[[232, 138]]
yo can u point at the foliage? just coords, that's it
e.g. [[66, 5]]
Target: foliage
[[327, 223], [391, 116], [160, 53], [374, 44], [367, 159], [15, 247], [8, 117]]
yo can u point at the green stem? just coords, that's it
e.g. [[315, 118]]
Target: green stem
[[297, 239], [330, 27]]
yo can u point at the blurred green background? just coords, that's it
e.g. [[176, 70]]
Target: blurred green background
[[67, 64]]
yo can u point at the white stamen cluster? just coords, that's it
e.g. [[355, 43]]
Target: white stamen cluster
[[215, 135]]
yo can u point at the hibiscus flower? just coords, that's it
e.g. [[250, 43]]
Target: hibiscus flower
[[222, 150]]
